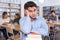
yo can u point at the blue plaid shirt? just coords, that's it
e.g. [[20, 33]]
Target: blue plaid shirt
[[38, 26]]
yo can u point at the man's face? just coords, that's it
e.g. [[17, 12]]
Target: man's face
[[53, 13], [6, 15], [32, 12], [16, 16]]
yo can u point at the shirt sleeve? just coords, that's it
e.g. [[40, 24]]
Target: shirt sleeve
[[44, 28], [25, 25]]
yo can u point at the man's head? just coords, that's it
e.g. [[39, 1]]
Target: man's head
[[30, 9], [17, 16], [5, 15], [53, 13]]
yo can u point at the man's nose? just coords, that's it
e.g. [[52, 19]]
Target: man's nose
[[33, 13]]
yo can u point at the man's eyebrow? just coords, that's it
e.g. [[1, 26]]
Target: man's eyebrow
[[30, 10]]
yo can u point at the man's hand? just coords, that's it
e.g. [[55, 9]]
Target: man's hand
[[27, 12], [5, 23], [4, 26]]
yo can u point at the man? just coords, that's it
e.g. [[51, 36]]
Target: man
[[32, 25], [3, 24], [52, 16], [55, 26]]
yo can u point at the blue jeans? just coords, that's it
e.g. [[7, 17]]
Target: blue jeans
[[3, 30]]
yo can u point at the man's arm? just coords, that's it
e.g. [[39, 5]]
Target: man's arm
[[25, 25], [44, 28]]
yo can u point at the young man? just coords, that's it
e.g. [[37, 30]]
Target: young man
[[32, 25], [52, 16]]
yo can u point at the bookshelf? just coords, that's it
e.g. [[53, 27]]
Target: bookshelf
[[10, 7]]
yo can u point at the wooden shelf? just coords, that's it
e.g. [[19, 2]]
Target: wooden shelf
[[10, 7], [8, 3]]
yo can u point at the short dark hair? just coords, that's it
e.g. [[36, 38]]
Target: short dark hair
[[4, 13], [53, 11], [29, 4], [18, 15]]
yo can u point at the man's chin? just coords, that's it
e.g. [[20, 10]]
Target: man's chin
[[33, 17]]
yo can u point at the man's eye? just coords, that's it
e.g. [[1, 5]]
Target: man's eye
[[30, 11]]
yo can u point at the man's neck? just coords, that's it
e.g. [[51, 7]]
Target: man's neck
[[32, 19]]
